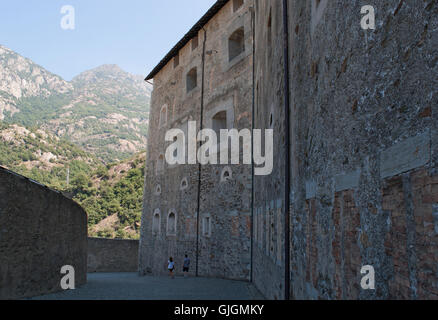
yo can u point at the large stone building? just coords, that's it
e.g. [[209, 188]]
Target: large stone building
[[202, 211], [355, 179]]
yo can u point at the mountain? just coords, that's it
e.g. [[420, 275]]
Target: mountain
[[104, 110], [21, 79], [83, 137]]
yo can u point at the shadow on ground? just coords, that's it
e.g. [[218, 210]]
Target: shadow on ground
[[129, 286]]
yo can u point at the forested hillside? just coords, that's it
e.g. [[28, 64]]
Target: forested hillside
[[43, 157], [110, 194], [113, 198]]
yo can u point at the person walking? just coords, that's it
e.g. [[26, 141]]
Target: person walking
[[186, 266], [171, 267]]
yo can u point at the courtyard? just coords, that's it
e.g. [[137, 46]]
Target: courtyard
[[129, 286]]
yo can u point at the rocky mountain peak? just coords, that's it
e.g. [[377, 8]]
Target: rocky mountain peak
[[110, 73], [20, 77], [104, 110]]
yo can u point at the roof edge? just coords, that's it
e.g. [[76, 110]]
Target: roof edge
[[188, 36]]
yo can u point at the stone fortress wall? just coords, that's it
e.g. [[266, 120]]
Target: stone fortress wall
[[40, 232], [112, 255], [363, 148], [363, 145], [206, 74]]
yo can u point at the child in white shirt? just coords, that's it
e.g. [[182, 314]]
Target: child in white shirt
[[171, 267]]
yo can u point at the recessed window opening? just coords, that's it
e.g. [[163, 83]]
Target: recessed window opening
[[171, 224], [270, 28], [160, 163], [219, 121], [156, 223], [237, 4], [195, 42], [206, 226], [163, 116], [236, 43], [176, 61], [192, 80]]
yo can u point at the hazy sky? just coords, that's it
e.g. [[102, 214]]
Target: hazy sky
[[134, 34]]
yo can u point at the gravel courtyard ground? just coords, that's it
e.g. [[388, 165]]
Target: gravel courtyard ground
[[129, 286]]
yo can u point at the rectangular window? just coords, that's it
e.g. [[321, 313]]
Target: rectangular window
[[195, 43], [156, 224], [206, 227], [219, 122], [192, 80], [163, 116], [171, 224], [237, 4], [236, 44], [160, 165], [176, 61]]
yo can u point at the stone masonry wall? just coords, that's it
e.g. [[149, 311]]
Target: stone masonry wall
[[364, 152], [40, 231], [112, 255], [364, 148], [269, 191], [225, 250]]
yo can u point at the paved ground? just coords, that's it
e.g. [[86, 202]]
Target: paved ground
[[129, 286]]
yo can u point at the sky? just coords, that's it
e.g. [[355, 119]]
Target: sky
[[134, 34]]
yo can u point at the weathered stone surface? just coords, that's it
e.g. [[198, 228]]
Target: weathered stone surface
[[40, 232], [310, 189], [225, 204], [347, 181], [364, 147], [112, 255], [406, 155]]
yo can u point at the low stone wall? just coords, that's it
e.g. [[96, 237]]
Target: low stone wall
[[40, 232], [112, 255]]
